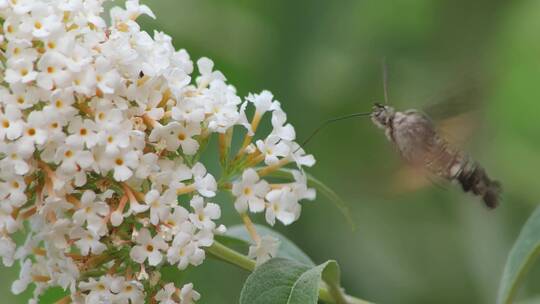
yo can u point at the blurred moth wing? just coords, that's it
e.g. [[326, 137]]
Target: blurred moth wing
[[457, 131]]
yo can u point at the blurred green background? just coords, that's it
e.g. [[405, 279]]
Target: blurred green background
[[321, 59]]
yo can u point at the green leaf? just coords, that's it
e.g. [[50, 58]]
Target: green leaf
[[521, 257], [287, 249], [283, 281], [323, 189], [332, 276]]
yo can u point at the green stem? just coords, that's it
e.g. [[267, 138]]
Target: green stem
[[230, 256], [233, 257]]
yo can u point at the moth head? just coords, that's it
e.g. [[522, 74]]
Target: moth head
[[381, 115]]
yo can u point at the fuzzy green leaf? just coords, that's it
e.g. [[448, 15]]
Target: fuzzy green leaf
[[521, 257], [283, 281]]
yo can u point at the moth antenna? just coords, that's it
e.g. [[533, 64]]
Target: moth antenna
[[385, 80], [324, 124]]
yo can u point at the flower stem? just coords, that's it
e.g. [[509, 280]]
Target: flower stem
[[250, 228], [233, 257]]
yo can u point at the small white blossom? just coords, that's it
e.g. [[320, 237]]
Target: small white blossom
[[160, 204], [182, 251], [88, 241], [7, 250], [11, 125], [272, 148], [204, 214], [164, 295], [25, 277], [98, 291], [188, 295], [92, 212], [281, 128], [250, 192], [206, 67], [148, 248], [264, 250], [20, 70], [263, 102], [204, 182], [281, 206]]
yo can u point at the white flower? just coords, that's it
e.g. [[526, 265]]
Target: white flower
[[98, 291], [164, 295], [160, 204], [16, 155], [113, 135], [128, 291], [22, 96], [264, 250], [107, 77], [182, 250], [250, 192], [176, 221], [92, 211], [300, 188], [7, 250], [52, 71], [204, 182], [57, 234], [147, 165], [61, 102], [148, 248], [184, 134], [166, 136], [204, 214], [177, 79], [25, 278], [206, 66], [272, 148], [221, 104], [300, 156], [280, 126], [72, 158], [35, 130], [88, 241], [20, 70], [133, 11], [263, 102], [12, 191], [281, 204], [188, 295], [42, 22], [7, 222], [82, 132], [123, 164], [11, 125], [189, 110], [19, 48]]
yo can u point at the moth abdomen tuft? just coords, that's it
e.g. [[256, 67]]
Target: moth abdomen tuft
[[476, 180]]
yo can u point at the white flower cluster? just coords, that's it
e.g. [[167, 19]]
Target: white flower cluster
[[101, 129]]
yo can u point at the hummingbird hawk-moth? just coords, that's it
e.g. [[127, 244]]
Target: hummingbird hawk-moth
[[419, 144]]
